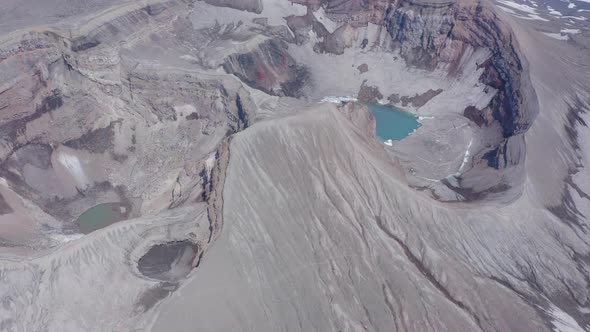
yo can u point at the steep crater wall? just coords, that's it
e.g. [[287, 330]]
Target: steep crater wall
[[440, 37]]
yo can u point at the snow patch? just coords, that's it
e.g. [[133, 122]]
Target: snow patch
[[188, 57], [73, 166], [517, 6], [320, 15], [553, 11], [532, 18], [420, 118], [574, 31], [184, 110], [210, 162], [557, 36], [577, 18], [571, 5], [508, 10], [466, 156], [427, 179], [531, 12], [562, 322], [338, 100], [63, 238], [388, 142]]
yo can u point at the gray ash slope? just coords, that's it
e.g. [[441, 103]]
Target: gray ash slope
[[253, 206]]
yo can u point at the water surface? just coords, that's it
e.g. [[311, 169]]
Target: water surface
[[101, 216], [392, 123]]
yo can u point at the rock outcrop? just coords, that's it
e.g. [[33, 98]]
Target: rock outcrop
[[254, 6], [84, 124], [439, 36], [269, 68], [433, 34]]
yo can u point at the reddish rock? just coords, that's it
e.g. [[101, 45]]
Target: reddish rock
[[363, 68], [369, 94]]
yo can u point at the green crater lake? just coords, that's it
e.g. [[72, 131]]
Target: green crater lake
[[101, 216], [392, 123]]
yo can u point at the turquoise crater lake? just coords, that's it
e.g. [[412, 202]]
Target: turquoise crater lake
[[392, 123], [102, 215]]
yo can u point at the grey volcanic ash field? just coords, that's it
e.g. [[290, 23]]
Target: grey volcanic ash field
[[217, 165]]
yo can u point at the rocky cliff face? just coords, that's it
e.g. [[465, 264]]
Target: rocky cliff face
[[80, 119], [438, 36], [438, 33], [421, 30], [269, 68]]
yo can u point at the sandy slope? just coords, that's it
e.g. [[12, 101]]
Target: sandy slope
[[319, 235]]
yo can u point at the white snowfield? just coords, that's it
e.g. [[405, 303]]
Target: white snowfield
[[74, 167]]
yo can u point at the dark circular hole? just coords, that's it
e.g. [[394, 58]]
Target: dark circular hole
[[170, 261]]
